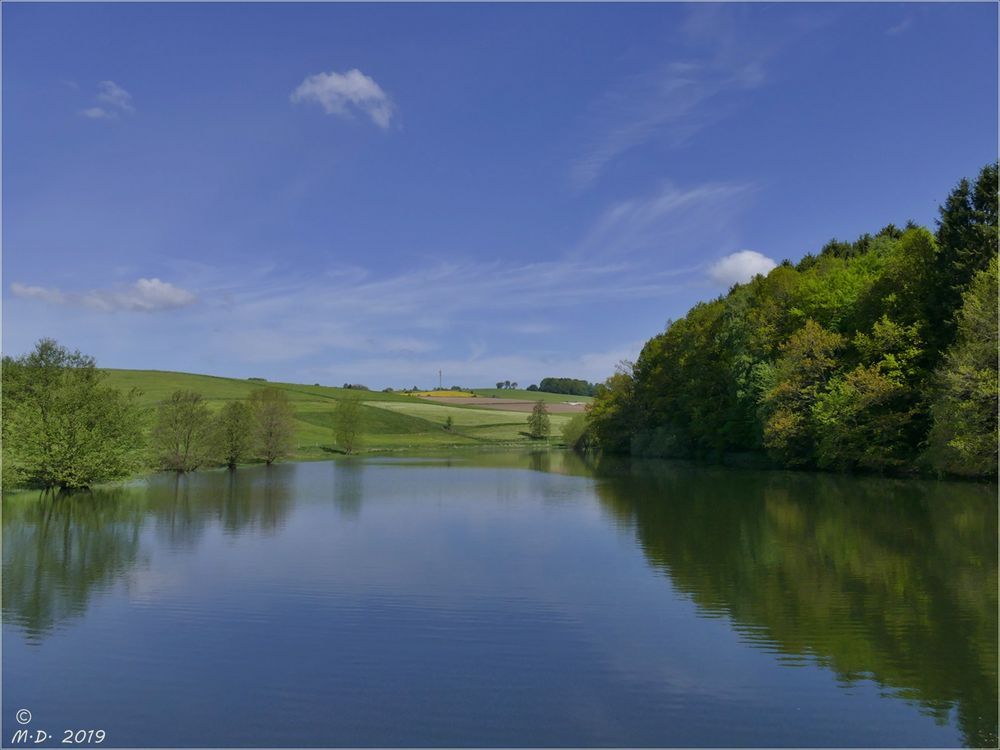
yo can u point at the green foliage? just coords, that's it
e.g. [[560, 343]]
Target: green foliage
[[570, 386], [835, 362], [801, 372], [868, 417], [859, 422], [967, 236], [233, 433], [274, 423], [539, 425], [963, 439], [61, 426], [612, 415], [576, 433], [349, 424], [182, 435]]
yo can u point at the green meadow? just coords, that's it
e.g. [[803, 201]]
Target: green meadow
[[391, 421]]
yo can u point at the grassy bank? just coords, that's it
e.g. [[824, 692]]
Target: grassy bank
[[391, 422]]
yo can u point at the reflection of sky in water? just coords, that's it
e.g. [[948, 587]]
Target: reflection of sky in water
[[478, 605]]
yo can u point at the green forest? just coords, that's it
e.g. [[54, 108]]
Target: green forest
[[873, 355]]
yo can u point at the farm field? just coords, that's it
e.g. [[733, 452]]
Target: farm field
[[510, 404], [390, 421], [523, 395]]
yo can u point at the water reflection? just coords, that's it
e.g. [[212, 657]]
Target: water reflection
[[185, 505], [883, 580], [894, 581], [58, 550], [348, 487]]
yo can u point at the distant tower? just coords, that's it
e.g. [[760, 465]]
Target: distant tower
[[440, 381]]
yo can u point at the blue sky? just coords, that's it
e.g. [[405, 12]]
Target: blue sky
[[371, 193]]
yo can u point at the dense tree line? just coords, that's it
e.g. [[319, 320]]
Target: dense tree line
[[569, 386], [880, 354], [64, 429]]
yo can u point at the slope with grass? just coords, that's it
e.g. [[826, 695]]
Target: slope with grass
[[390, 421]]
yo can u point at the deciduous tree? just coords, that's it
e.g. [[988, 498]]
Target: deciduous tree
[[182, 434], [61, 426], [233, 433], [274, 423], [349, 419], [538, 421]]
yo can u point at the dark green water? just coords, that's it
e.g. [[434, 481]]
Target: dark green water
[[511, 600]]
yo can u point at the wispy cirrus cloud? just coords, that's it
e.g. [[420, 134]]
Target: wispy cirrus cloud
[[410, 320], [339, 93], [669, 220], [145, 295], [112, 102], [673, 102], [718, 64]]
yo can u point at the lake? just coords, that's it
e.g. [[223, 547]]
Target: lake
[[504, 600]]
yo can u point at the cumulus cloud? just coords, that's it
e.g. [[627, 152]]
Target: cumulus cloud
[[145, 295], [112, 100], [337, 93], [740, 267]]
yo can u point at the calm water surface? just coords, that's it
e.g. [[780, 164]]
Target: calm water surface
[[508, 600]]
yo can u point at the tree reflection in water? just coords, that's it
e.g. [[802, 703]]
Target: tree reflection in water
[[59, 550], [889, 580]]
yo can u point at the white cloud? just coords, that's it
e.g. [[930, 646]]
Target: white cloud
[[337, 92], [114, 96], [145, 295], [901, 27], [45, 294], [740, 267], [113, 101], [96, 113]]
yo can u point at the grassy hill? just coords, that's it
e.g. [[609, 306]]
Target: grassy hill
[[391, 421]]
